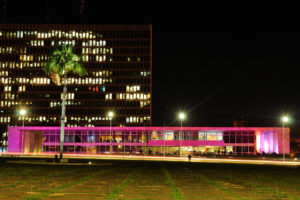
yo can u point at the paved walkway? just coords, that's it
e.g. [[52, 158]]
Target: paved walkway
[[162, 158]]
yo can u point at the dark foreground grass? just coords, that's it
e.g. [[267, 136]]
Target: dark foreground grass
[[148, 180]]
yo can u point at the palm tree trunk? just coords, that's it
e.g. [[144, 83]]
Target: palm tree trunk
[[62, 120]]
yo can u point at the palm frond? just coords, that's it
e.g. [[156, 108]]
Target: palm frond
[[51, 66], [63, 61], [69, 49], [75, 58], [79, 69], [57, 52]]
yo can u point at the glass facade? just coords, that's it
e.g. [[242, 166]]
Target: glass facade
[[148, 140], [118, 59]]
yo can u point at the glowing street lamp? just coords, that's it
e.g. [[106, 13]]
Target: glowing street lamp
[[181, 117], [23, 112], [110, 115], [285, 119]]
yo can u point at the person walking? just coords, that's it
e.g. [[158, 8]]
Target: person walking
[[189, 156]]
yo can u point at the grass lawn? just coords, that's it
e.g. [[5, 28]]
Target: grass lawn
[[148, 180]]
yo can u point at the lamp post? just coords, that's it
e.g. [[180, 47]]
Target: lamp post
[[284, 120], [110, 115], [181, 117], [23, 113]]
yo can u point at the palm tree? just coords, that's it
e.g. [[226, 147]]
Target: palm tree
[[61, 62]]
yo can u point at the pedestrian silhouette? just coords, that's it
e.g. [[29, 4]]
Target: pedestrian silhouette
[[190, 156]]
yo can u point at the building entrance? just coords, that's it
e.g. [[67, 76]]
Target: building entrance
[[31, 141]]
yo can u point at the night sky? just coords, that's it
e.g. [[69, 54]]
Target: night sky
[[215, 66]]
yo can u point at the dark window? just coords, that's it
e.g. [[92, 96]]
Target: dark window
[[251, 149], [77, 138], [251, 139], [245, 138], [238, 149], [226, 138], [238, 139], [232, 138]]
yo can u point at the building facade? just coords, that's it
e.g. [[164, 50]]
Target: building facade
[[118, 59], [151, 140]]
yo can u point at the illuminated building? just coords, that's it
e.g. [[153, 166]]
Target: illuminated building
[[150, 140], [118, 59]]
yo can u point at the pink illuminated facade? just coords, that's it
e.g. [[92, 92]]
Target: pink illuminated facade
[[150, 140]]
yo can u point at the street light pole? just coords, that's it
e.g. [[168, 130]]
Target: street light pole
[[180, 138], [110, 147], [181, 117], [284, 119], [283, 142], [110, 115]]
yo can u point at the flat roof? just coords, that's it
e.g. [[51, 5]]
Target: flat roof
[[153, 128]]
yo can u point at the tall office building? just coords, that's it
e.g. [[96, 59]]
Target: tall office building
[[118, 59]]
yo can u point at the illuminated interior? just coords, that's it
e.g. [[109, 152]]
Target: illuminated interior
[[151, 140]]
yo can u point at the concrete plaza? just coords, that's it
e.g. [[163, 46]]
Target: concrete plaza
[[232, 160]]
